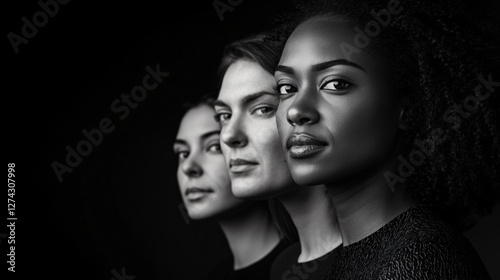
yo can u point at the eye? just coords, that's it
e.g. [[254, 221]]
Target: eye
[[285, 89], [214, 148], [222, 117], [182, 155], [336, 85], [264, 111]]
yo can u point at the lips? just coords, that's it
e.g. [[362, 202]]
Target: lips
[[195, 194], [304, 145], [241, 165]]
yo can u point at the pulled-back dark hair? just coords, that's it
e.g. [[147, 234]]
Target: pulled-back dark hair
[[259, 48], [443, 55], [207, 99], [256, 47]]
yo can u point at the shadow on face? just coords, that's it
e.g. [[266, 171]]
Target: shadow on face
[[338, 114], [202, 174], [246, 109]]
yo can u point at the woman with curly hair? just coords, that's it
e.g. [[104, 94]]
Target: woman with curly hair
[[394, 107], [246, 109]]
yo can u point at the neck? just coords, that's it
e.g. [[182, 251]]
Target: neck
[[366, 203], [314, 217], [251, 234]]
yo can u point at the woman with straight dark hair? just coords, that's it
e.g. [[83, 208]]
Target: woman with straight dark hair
[[394, 107], [206, 192]]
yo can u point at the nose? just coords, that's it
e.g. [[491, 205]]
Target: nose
[[303, 109], [191, 167], [233, 135]]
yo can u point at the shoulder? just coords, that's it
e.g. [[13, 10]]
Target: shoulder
[[425, 247]]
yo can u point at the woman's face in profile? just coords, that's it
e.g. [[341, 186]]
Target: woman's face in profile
[[338, 115], [246, 109], [202, 175]]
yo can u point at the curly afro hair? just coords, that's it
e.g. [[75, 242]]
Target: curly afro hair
[[445, 56]]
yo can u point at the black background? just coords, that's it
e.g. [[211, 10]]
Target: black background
[[119, 208]]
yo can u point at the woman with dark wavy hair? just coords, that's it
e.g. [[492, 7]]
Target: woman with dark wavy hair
[[394, 107], [205, 187]]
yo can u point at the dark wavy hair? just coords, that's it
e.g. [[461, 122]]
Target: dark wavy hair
[[266, 52], [442, 52]]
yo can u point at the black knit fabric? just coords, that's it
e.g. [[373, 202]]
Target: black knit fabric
[[414, 245]]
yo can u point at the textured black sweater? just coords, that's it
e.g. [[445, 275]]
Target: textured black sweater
[[414, 245]]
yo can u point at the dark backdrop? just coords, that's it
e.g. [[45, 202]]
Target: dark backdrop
[[117, 212]]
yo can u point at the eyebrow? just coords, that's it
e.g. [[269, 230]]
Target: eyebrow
[[321, 66], [203, 137], [219, 102], [247, 99], [328, 64]]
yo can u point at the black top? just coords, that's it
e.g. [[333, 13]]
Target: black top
[[414, 245], [258, 270], [286, 266]]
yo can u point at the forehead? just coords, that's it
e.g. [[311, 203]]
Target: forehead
[[243, 78], [196, 122], [320, 40]]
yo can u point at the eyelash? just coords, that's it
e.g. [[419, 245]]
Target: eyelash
[[213, 145], [278, 87], [218, 115], [272, 110], [178, 154], [348, 84]]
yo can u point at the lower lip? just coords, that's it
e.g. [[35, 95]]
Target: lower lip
[[304, 151], [197, 196], [238, 169]]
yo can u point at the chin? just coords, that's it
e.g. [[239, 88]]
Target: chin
[[309, 176], [205, 214], [246, 191]]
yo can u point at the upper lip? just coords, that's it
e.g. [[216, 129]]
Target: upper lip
[[303, 140], [196, 189], [240, 161]]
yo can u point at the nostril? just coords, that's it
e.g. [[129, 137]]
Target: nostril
[[304, 120]]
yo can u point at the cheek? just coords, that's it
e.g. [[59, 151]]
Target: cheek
[[282, 124], [267, 139], [225, 150], [181, 178], [218, 174], [365, 127]]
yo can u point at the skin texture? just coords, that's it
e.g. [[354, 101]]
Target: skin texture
[[354, 112], [249, 131], [247, 225], [202, 165], [351, 110]]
